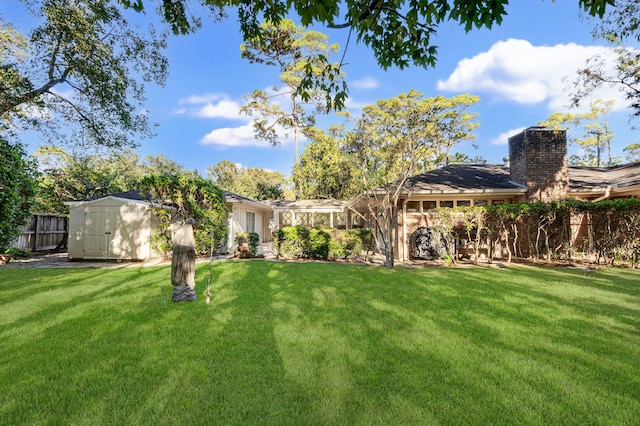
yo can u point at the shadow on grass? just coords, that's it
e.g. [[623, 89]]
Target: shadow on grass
[[321, 344]]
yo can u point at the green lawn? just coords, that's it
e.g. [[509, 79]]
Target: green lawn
[[314, 343]]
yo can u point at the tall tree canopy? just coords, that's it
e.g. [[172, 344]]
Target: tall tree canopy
[[252, 182], [291, 106], [399, 32], [79, 174], [619, 25], [83, 65], [17, 190], [590, 132], [325, 170], [400, 137]]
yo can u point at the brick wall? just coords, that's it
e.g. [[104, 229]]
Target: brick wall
[[538, 159]]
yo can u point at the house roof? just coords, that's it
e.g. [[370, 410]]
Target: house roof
[[464, 178], [470, 178], [587, 179], [231, 198]]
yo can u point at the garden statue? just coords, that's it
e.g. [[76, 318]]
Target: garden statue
[[183, 261]]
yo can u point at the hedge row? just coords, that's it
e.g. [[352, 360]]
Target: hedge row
[[323, 243]]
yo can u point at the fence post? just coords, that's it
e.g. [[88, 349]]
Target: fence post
[[35, 232]]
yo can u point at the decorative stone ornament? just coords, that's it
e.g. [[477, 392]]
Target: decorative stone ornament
[[428, 244]]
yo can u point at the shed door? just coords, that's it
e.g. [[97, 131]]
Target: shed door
[[97, 238]]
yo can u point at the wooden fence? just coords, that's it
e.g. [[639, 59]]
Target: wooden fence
[[43, 232]]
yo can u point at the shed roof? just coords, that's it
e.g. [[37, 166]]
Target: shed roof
[[128, 195]]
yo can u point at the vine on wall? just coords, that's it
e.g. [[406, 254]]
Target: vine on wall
[[605, 231]]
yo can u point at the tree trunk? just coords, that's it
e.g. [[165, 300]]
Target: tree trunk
[[183, 263]]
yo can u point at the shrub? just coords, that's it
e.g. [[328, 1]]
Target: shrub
[[292, 241], [323, 243], [319, 243], [17, 253]]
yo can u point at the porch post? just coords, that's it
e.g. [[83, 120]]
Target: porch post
[[404, 230]]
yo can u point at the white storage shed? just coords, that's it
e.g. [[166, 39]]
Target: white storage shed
[[115, 227]]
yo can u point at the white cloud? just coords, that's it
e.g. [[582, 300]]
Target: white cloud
[[202, 99], [211, 105], [503, 138], [516, 71], [223, 109], [232, 136], [351, 105], [240, 136], [366, 83]]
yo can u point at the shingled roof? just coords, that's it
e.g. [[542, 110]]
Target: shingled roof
[[491, 177], [585, 179], [463, 178]]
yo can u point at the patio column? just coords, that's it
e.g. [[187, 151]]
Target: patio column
[[404, 230]]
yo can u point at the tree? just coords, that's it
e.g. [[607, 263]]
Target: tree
[[78, 175], [252, 182], [633, 152], [398, 31], [161, 165], [589, 131], [324, 170], [398, 138], [294, 51], [83, 65], [619, 25], [17, 190]]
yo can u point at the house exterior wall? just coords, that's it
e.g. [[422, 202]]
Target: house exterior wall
[[413, 213], [538, 159], [238, 223]]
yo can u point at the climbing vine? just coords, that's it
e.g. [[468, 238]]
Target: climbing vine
[[177, 198], [605, 231]]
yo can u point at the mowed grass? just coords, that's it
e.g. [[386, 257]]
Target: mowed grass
[[315, 343]]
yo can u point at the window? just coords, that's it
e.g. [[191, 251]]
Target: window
[[496, 202], [429, 205], [479, 203], [339, 220], [463, 203], [413, 206], [251, 222], [285, 219], [446, 204]]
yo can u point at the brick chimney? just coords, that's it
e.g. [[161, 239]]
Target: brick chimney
[[538, 159]]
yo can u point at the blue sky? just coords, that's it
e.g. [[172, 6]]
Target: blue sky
[[517, 70]]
